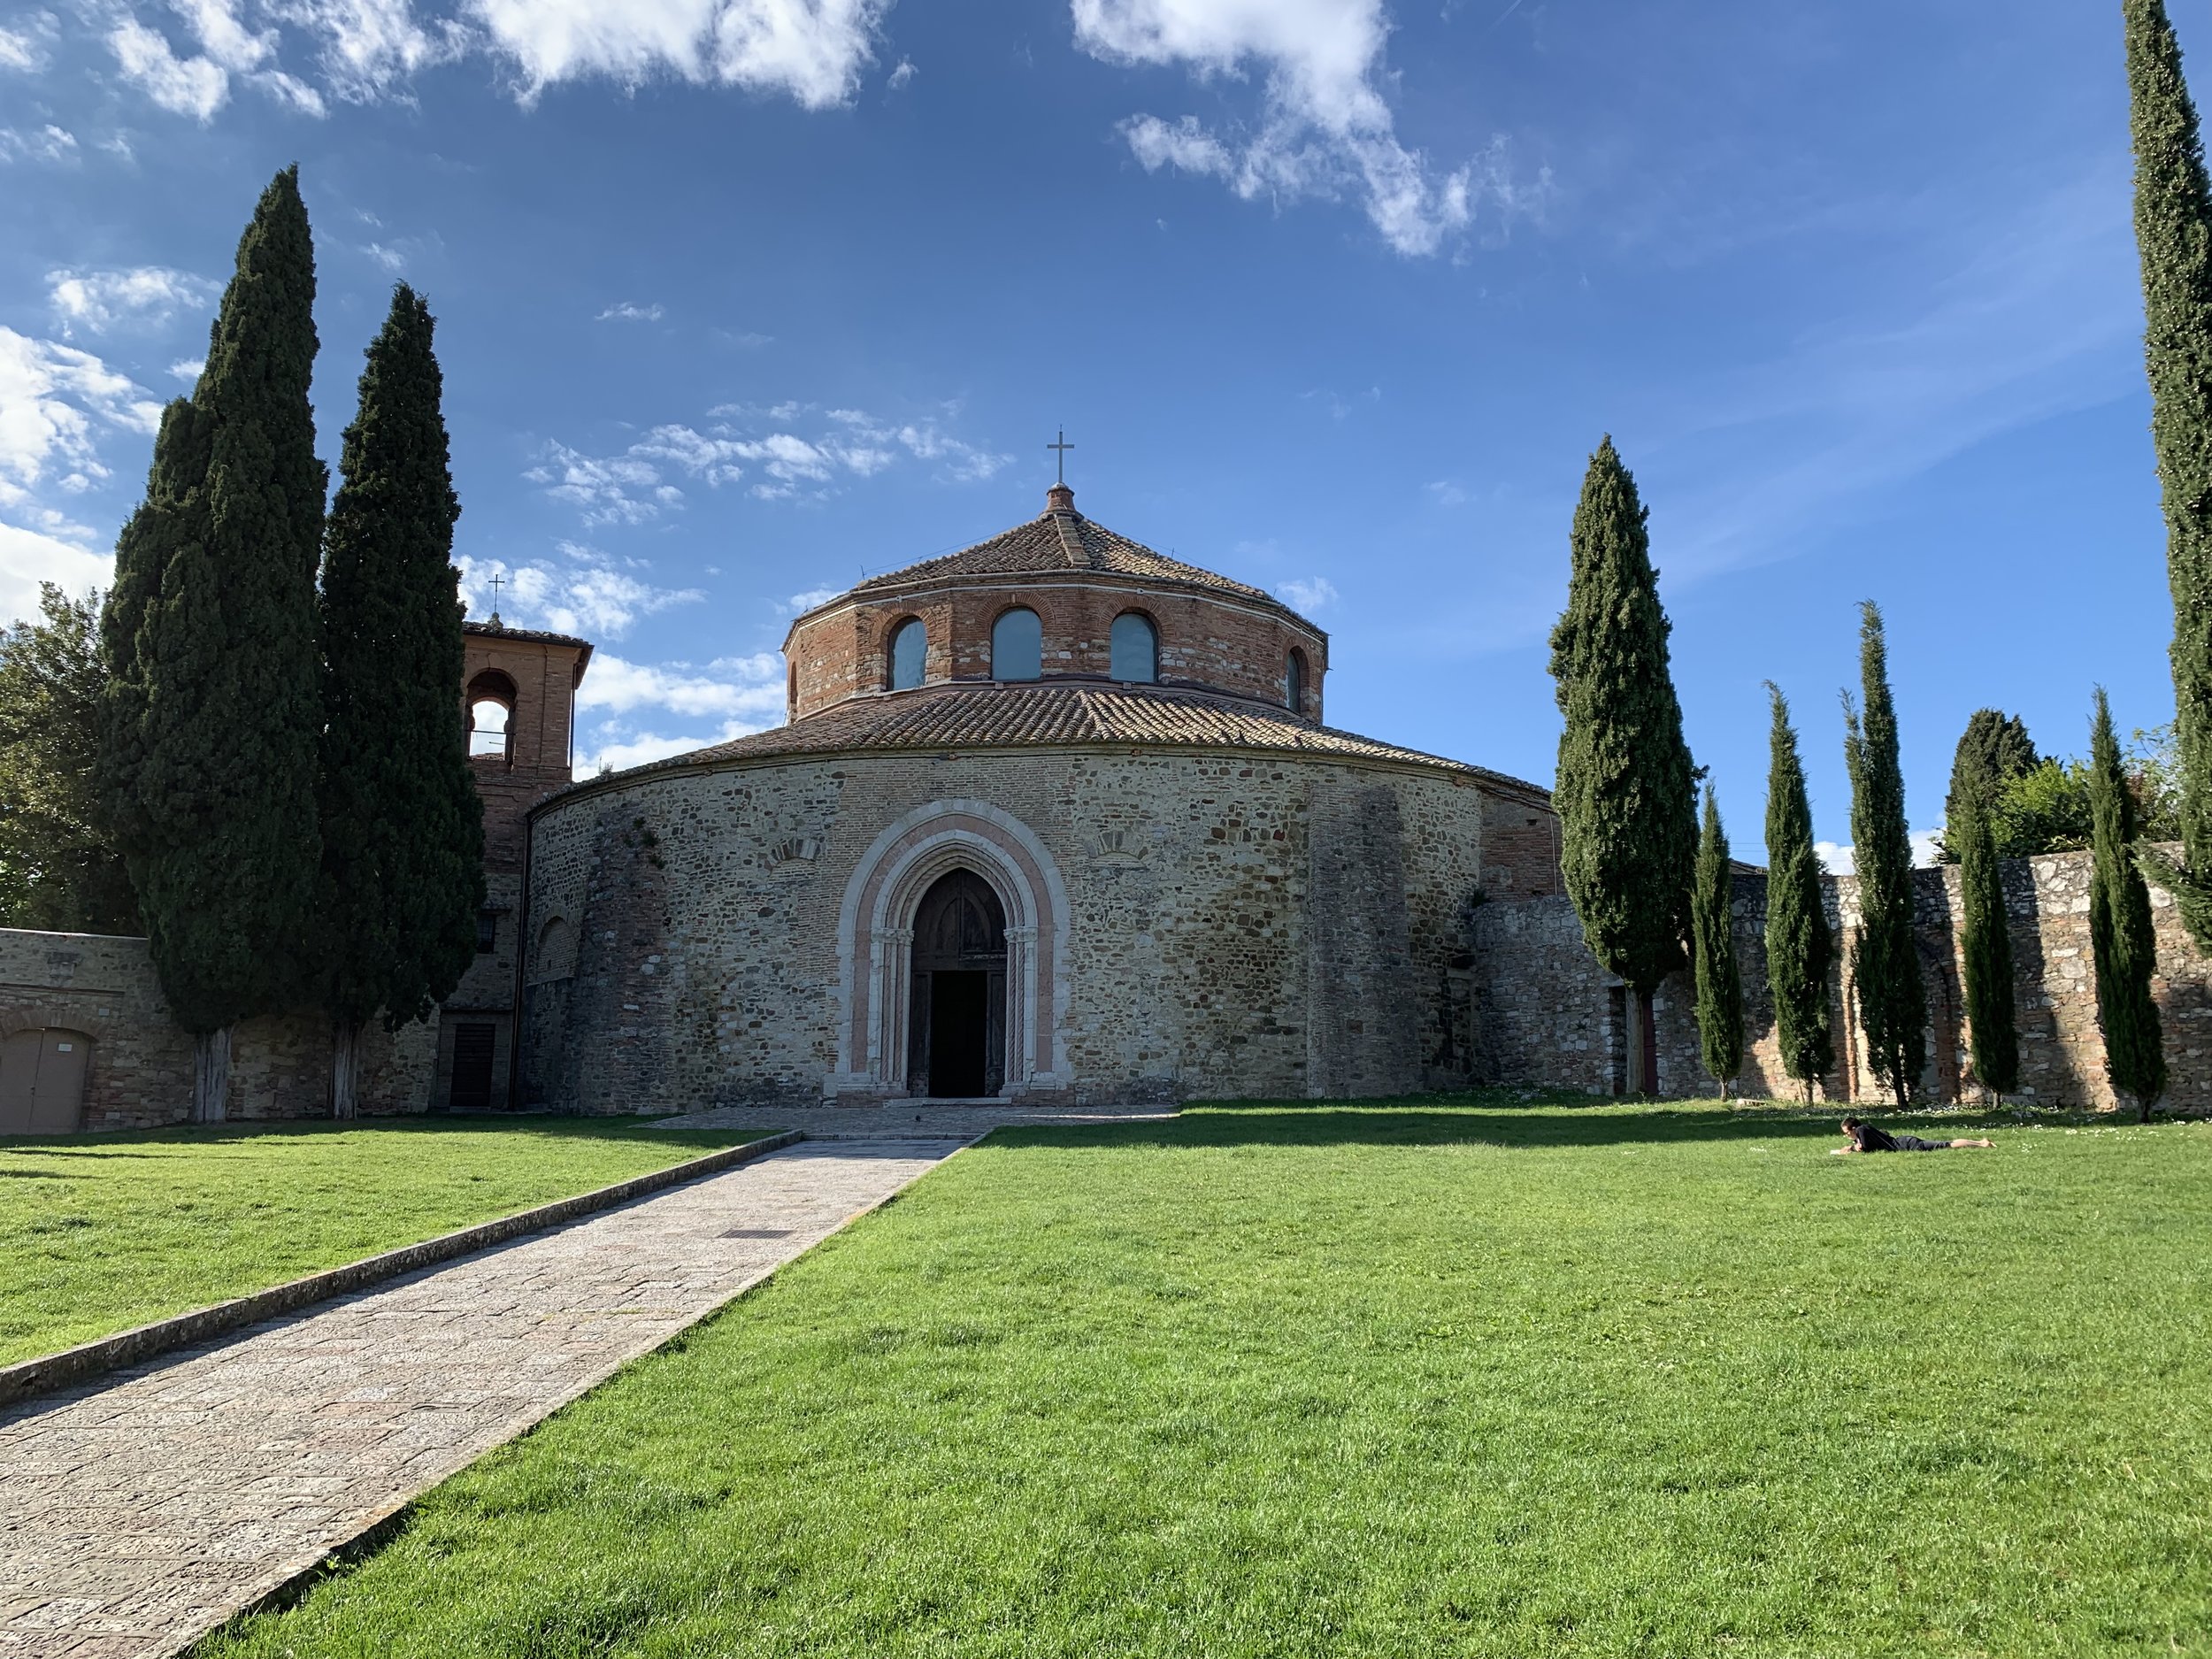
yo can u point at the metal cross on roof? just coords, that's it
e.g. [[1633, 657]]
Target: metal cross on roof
[[495, 581], [1060, 460]]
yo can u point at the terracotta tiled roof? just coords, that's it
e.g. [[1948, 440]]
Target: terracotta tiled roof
[[1062, 541], [1046, 713]]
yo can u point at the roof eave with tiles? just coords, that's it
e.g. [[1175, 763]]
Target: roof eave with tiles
[[1054, 714]]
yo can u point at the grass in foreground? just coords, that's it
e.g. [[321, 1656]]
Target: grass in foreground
[[100, 1234], [1498, 1379]]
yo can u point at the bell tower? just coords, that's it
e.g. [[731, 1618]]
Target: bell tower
[[519, 690]]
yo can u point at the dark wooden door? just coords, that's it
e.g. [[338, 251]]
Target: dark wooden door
[[473, 1043], [956, 1021]]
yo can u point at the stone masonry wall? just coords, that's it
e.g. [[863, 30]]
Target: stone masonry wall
[[140, 1075], [1547, 1015], [700, 912]]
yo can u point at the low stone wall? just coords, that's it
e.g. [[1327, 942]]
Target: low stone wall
[[140, 1071], [1547, 1016]]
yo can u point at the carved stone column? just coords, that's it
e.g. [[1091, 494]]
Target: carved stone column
[[893, 969], [1021, 1005]]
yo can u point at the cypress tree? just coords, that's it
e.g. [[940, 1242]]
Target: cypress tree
[[1994, 748], [1893, 1007], [214, 707], [1626, 795], [402, 824], [2120, 935], [1799, 947], [1719, 981], [2173, 233], [1988, 942]]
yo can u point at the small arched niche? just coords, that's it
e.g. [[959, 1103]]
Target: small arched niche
[[1133, 648], [1018, 645], [555, 955], [491, 702], [1295, 681], [908, 654]]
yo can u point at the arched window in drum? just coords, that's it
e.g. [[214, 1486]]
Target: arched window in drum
[[1017, 646], [1294, 682], [910, 652], [1135, 649]]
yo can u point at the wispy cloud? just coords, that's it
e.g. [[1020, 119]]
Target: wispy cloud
[[149, 294], [743, 693], [47, 143], [585, 592], [1307, 595], [55, 400], [626, 312], [1324, 127], [740, 443], [24, 41]]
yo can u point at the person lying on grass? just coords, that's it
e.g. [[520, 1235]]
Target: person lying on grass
[[1864, 1137]]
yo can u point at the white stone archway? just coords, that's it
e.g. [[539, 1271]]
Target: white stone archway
[[875, 941]]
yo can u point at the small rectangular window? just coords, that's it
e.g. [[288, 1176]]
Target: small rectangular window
[[487, 931]]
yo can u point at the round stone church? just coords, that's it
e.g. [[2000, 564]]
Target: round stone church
[[1055, 820]]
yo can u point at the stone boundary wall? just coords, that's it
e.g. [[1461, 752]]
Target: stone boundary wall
[[1545, 1015], [139, 1073]]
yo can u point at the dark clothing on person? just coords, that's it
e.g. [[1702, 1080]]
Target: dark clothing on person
[[1867, 1138]]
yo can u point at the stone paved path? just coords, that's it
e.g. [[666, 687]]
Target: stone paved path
[[138, 1514], [909, 1120]]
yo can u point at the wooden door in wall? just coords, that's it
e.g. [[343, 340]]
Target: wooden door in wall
[[42, 1082], [956, 1018], [474, 1044]]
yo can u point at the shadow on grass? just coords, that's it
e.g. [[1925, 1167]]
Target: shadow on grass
[[1430, 1121], [113, 1143]]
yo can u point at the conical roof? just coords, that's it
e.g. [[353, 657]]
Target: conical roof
[[1060, 540]]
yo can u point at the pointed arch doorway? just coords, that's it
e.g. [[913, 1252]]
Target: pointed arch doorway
[[957, 1028]]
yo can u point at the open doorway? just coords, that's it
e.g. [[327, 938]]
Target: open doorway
[[957, 1049]]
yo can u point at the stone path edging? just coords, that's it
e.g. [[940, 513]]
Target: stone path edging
[[27, 1379]]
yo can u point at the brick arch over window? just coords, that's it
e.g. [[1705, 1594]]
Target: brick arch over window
[[875, 939]]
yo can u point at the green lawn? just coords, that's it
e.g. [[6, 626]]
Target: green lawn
[[104, 1233], [1505, 1379]]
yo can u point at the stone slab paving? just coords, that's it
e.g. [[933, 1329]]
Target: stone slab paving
[[908, 1120], [139, 1513]]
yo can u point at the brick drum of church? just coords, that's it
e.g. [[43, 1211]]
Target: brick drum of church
[[1054, 819]]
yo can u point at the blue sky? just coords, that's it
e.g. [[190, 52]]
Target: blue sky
[[741, 298]]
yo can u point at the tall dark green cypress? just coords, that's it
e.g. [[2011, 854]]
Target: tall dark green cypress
[[2120, 935], [1626, 794], [1719, 981], [215, 708], [2173, 234], [1994, 749], [1885, 962], [1800, 946], [403, 827], [1991, 1022]]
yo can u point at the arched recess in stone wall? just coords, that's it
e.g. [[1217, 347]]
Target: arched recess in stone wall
[[875, 938]]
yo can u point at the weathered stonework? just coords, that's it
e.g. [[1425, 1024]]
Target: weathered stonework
[[1547, 1015], [1235, 924], [140, 1070]]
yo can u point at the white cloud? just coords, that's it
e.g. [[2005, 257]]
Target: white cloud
[[1840, 860], [626, 312], [634, 486], [801, 603], [904, 72], [587, 594], [370, 46], [24, 46], [188, 369], [1446, 494], [29, 557], [54, 399], [151, 294], [47, 144], [743, 687], [390, 258], [1307, 594], [812, 50], [196, 87], [1324, 128]]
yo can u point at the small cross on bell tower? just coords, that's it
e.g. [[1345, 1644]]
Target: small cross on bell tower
[[1060, 499], [495, 581]]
